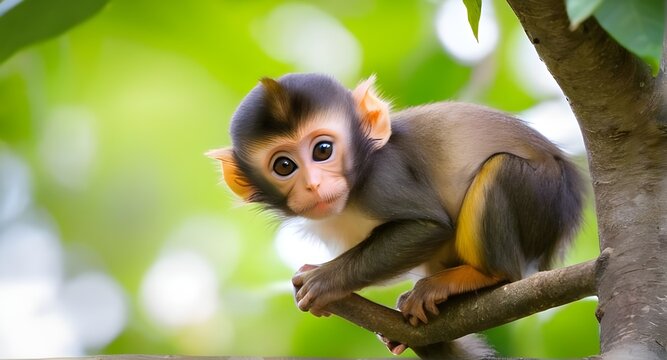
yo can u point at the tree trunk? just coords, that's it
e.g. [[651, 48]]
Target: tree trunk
[[621, 111]]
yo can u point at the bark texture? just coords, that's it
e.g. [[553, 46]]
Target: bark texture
[[620, 107]]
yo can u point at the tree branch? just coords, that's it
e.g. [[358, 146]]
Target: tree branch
[[466, 314]]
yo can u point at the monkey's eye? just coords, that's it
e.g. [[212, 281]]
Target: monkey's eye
[[322, 150], [284, 166]]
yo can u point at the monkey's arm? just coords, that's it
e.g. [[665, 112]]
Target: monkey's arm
[[390, 250]]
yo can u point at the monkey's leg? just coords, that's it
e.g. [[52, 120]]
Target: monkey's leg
[[430, 291], [486, 242]]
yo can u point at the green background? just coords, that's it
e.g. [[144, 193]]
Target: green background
[[110, 122]]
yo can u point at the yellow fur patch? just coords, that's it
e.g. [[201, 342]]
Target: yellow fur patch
[[469, 224]]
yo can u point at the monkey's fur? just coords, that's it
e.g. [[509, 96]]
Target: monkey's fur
[[472, 196]]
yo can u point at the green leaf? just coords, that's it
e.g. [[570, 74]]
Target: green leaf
[[474, 8], [26, 22], [580, 10], [637, 25]]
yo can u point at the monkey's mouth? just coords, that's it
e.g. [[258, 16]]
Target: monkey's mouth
[[324, 203], [324, 206]]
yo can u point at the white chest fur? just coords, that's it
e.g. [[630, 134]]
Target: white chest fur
[[343, 231]]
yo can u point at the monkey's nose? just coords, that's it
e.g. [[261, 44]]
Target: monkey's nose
[[313, 186], [313, 180]]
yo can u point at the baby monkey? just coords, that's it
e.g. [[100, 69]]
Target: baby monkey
[[471, 196]]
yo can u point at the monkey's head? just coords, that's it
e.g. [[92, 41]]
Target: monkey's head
[[298, 143]]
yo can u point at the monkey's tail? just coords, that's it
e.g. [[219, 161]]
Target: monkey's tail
[[469, 347], [572, 196], [569, 199]]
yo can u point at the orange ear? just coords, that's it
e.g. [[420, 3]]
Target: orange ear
[[233, 176], [373, 111]]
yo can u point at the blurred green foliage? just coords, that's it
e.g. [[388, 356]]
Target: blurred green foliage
[[113, 117]]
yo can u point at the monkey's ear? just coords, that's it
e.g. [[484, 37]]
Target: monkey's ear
[[277, 99], [373, 112], [233, 176]]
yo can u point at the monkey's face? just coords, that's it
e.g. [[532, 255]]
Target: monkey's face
[[309, 166], [297, 140]]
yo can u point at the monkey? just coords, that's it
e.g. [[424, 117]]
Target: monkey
[[471, 196]]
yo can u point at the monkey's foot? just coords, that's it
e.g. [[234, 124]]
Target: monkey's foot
[[425, 296], [394, 347], [429, 292]]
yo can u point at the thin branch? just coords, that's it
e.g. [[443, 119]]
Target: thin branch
[[475, 312]]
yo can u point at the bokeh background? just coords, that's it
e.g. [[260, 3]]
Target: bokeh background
[[116, 235]]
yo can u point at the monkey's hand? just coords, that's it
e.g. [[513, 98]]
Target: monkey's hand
[[425, 296], [316, 286]]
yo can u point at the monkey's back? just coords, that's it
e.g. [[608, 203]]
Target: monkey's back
[[460, 137]]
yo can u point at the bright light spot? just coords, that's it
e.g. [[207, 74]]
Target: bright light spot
[[296, 248], [31, 325], [8, 5], [14, 185], [96, 307], [30, 252], [456, 36], [31, 322], [67, 146], [212, 236], [311, 40], [555, 120], [530, 71], [180, 289], [38, 317]]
